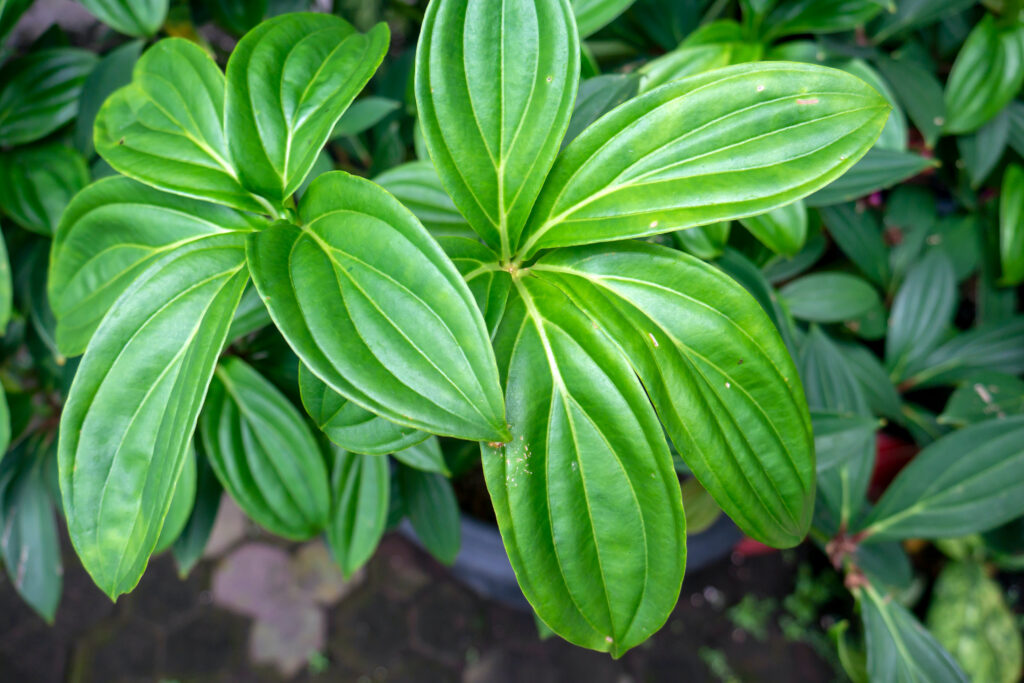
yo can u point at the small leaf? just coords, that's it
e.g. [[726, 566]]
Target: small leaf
[[166, 128], [365, 113], [878, 170], [360, 489], [425, 456], [432, 509], [6, 291], [264, 453], [40, 93], [373, 307], [495, 84], [139, 18], [417, 185], [826, 297], [36, 184], [131, 411], [783, 230], [1011, 226], [968, 615], [191, 543], [289, 80], [963, 483], [636, 172], [899, 647], [921, 311], [348, 425], [109, 235], [986, 75]]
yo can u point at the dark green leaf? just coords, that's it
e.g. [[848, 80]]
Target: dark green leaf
[[981, 150], [1011, 226], [997, 345], [829, 297], [635, 172], [113, 71], [919, 91], [879, 391], [909, 14], [288, 82], [264, 453], [417, 185], [250, 316], [126, 426], [598, 96], [430, 503], [10, 12], [985, 395], [858, 233], [365, 113], [965, 482], [373, 307], [191, 543], [921, 311], [425, 456], [36, 184], [239, 16], [878, 170], [360, 488], [495, 85], [139, 18], [592, 15], [839, 436], [40, 93], [818, 16]]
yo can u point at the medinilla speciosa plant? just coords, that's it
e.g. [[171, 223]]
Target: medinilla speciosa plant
[[567, 351]]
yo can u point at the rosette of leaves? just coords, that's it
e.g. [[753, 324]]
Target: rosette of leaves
[[562, 348]]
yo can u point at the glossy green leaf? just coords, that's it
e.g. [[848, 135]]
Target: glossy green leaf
[[818, 16], [963, 483], [373, 307], [985, 395], [479, 266], [495, 85], [30, 544], [998, 345], [36, 184], [858, 233], [743, 271], [288, 82], [166, 128], [710, 362], [1011, 226], [40, 93], [139, 18], [592, 15], [350, 426], [704, 241], [981, 150], [129, 417], [6, 288], [425, 456], [987, 74], [191, 543], [921, 311], [895, 134], [637, 172], [585, 495], [264, 453], [899, 647], [829, 297], [182, 501], [968, 615], [919, 91], [878, 170], [417, 185], [109, 235], [113, 71], [839, 436], [250, 316], [364, 113], [430, 503], [783, 230], [360, 489]]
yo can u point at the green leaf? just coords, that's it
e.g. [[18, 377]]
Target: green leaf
[[264, 453], [40, 93], [878, 389], [919, 91], [818, 16], [858, 233], [10, 12], [365, 113], [182, 501], [239, 16], [1011, 226], [743, 271], [829, 297], [113, 71], [585, 495], [783, 230], [985, 395], [489, 283], [6, 289], [704, 241], [598, 96], [425, 456], [373, 307], [430, 503], [981, 150], [417, 185], [987, 73], [921, 311], [166, 127], [899, 647], [963, 483], [360, 489], [250, 316], [878, 170], [757, 137], [289, 80], [909, 14], [689, 60], [495, 85], [348, 425], [998, 345], [592, 15], [191, 543], [1016, 110], [109, 235], [126, 426], [36, 184], [139, 18], [968, 615], [895, 135], [839, 436], [30, 543], [710, 362]]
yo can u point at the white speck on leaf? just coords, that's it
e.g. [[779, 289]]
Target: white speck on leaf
[[654, 224], [760, 88], [653, 340], [728, 385]]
